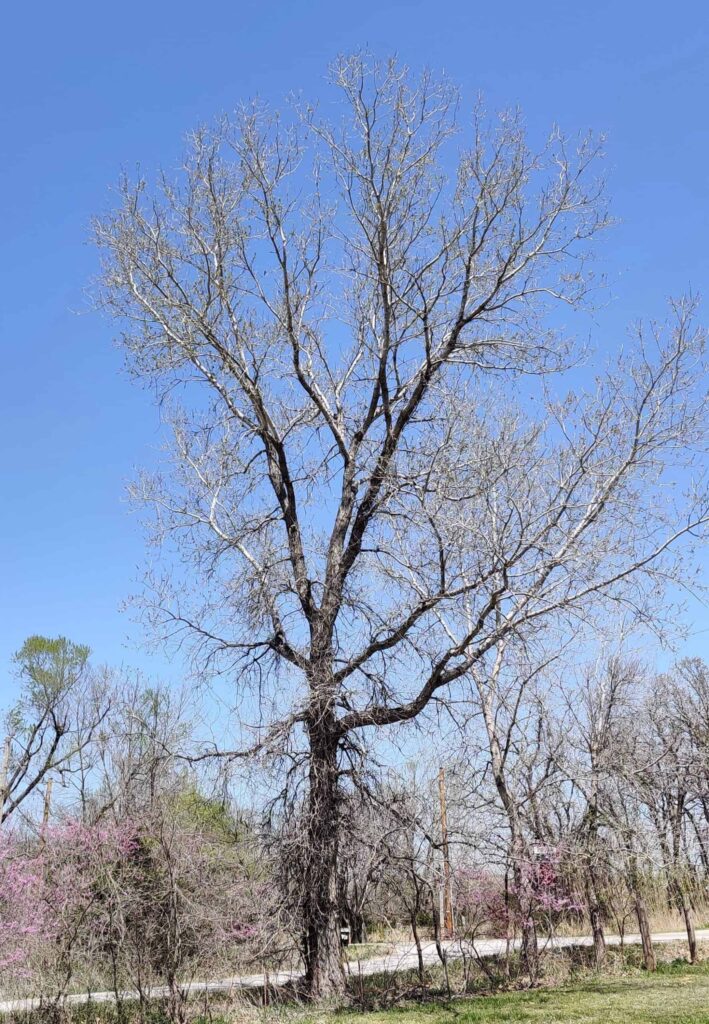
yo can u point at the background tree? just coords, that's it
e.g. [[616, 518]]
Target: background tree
[[599, 711], [61, 705], [662, 784]]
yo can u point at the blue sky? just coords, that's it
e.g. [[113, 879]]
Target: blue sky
[[89, 88]]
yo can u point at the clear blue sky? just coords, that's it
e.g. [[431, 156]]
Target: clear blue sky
[[90, 87]]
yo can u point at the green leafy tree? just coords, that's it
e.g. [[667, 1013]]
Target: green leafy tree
[[54, 719]]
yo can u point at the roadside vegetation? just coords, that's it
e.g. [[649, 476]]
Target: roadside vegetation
[[677, 993], [139, 873]]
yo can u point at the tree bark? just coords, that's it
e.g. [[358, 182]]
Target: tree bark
[[530, 945], [442, 955], [530, 949], [645, 933], [686, 908], [324, 974], [419, 950], [596, 919], [640, 909], [594, 904], [357, 925], [522, 905], [599, 939]]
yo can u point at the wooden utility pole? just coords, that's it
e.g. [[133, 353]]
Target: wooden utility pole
[[4, 772], [447, 891], [47, 806]]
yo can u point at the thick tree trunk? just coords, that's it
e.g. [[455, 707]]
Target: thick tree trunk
[[324, 975], [593, 902], [524, 911], [596, 919], [599, 939]]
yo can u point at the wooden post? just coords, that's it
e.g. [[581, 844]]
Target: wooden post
[[447, 890], [3, 776], [47, 806]]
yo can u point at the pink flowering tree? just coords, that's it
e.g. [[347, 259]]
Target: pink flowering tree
[[480, 902], [22, 921], [80, 896], [125, 905], [538, 894], [192, 904], [57, 900], [482, 909], [544, 889], [541, 894]]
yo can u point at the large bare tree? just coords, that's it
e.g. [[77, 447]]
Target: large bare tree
[[361, 501]]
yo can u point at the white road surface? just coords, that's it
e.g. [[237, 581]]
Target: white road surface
[[402, 958]]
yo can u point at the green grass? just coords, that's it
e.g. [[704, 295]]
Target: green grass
[[677, 994]]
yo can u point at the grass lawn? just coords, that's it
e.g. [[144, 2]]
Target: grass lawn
[[677, 994]]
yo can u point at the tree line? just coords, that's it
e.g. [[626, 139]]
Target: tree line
[[584, 810]]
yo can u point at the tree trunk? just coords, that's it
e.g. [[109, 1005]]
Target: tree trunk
[[524, 911], [592, 900], [640, 909], [521, 904], [324, 974], [442, 954], [691, 935], [686, 908], [357, 925], [701, 844], [599, 939], [596, 919], [419, 950], [530, 949], [351, 910], [645, 933]]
